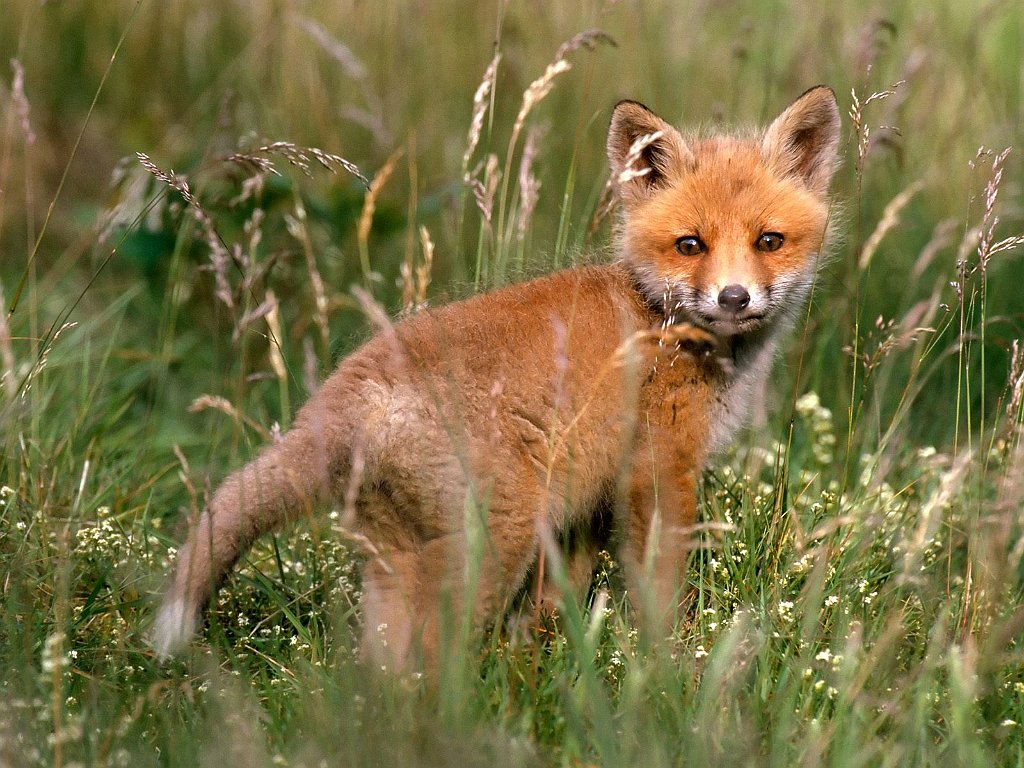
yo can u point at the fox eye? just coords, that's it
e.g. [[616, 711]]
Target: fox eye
[[690, 246], [769, 241]]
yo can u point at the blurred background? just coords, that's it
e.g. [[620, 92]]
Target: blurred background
[[87, 235]]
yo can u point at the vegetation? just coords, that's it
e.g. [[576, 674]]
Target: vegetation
[[858, 596]]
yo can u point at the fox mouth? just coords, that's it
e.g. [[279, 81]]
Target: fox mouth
[[699, 309], [734, 325]]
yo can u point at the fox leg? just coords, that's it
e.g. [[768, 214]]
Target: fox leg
[[488, 577], [580, 548], [414, 603], [391, 607], [409, 605], [660, 511], [416, 586], [579, 563]]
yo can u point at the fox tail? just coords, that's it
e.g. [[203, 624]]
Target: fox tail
[[282, 483]]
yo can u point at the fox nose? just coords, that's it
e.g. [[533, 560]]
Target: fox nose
[[733, 298]]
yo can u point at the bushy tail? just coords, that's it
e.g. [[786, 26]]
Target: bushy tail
[[284, 482]]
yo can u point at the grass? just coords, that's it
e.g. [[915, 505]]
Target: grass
[[858, 600]]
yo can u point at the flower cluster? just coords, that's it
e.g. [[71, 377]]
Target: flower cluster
[[818, 419]]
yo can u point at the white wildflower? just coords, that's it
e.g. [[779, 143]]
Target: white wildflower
[[785, 610]]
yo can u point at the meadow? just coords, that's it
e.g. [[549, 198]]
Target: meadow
[[189, 194]]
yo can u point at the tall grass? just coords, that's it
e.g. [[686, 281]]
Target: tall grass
[[857, 596]]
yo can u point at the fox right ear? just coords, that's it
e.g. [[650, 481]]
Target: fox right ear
[[643, 150], [804, 139]]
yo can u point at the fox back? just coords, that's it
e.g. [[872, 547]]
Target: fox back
[[484, 432]]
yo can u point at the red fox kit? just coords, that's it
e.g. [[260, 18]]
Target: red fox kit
[[539, 408]]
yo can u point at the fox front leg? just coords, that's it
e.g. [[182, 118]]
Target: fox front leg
[[661, 507]]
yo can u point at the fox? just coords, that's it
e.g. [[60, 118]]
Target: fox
[[467, 440]]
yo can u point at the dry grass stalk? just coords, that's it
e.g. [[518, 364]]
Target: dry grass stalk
[[254, 163], [253, 271], [252, 186], [19, 101], [873, 37], [541, 87], [170, 178], [220, 257], [261, 166], [222, 404], [588, 38], [379, 319], [915, 322], [250, 317], [890, 335], [529, 184], [979, 239], [372, 115], [185, 476], [7, 375], [310, 367], [942, 235], [7, 145], [968, 244], [1006, 244], [405, 270], [297, 228], [370, 205], [998, 556], [605, 204], [273, 316], [375, 313], [629, 171], [890, 218], [535, 93], [989, 220], [355, 481], [44, 358], [1015, 403], [253, 231], [219, 260], [301, 158], [346, 527], [682, 336], [481, 100], [930, 517], [1010, 497], [425, 268], [484, 192], [986, 248], [863, 131], [334, 48]]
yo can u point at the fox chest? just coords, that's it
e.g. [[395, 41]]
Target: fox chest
[[695, 403]]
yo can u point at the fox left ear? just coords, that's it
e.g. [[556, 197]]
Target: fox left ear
[[644, 151], [804, 139]]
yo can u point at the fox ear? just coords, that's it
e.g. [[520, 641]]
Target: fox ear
[[643, 150], [804, 140]]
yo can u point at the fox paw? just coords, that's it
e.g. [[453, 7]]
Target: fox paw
[[690, 339]]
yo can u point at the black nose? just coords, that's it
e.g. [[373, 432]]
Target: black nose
[[733, 298]]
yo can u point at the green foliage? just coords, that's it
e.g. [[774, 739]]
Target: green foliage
[[856, 598]]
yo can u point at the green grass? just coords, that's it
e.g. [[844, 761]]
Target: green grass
[[858, 600]]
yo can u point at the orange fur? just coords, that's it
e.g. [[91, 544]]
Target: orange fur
[[539, 407]]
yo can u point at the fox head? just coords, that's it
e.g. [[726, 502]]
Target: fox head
[[724, 232]]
